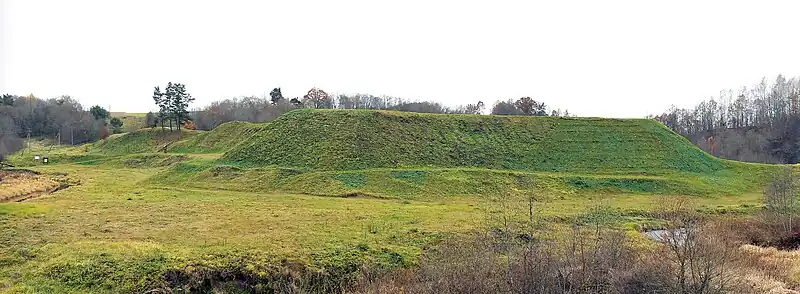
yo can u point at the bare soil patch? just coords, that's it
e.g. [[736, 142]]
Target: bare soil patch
[[21, 185]]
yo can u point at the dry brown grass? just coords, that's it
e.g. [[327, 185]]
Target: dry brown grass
[[467, 268], [769, 270], [18, 184]]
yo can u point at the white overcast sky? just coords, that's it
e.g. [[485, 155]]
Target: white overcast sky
[[596, 58]]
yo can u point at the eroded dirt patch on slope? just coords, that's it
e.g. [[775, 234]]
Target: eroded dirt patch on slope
[[21, 185]]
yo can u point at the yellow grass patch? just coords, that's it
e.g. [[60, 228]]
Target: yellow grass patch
[[771, 270], [18, 184]]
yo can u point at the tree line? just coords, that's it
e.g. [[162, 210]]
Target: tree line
[[62, 119], [766, 117], [263, 109]]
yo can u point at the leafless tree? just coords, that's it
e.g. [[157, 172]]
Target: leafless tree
[[61, 117], [700, 256], [770, 108], [780, 199]]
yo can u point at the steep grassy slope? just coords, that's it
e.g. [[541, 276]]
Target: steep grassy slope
[[141, 141], [154, 140], [221, 139], [355, 140]]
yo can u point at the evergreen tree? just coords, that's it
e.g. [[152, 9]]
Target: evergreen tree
[[159, 99], [116, 125], [7, 100], [179, 101], [99, 113], [173, 104], [276, 96]]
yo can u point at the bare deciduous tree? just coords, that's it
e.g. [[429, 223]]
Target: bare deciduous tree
[[528, 106], [700, 256], [780, 199], [57, 118], [765, 109], [317, 98]]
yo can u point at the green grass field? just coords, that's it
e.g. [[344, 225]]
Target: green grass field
[[319, 194]]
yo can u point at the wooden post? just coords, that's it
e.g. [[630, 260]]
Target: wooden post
[[530, 208]]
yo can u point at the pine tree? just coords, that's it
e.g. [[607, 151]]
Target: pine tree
[[276, 96], [99, 113], [178, 103], [173, 104], [159, 99]]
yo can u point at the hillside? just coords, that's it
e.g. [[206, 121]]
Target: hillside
[[156, 140], [141, 141], [355, 140], [221, 139]]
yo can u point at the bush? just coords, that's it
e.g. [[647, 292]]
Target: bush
[[780, 200], [573, 263], [116, 125], [695, 256]]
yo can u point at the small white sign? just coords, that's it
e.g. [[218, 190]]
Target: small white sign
[[36, 157]]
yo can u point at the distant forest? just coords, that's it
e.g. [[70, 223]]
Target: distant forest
[[62, 118], [760, 123]]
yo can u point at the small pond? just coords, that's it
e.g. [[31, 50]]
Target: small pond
[[678, 235]]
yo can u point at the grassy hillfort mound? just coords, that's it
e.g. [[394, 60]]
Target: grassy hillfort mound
[[388, 153], [414, 155], [355, 140]]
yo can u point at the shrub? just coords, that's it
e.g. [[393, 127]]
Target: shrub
[[780, 199], [573, 263]]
